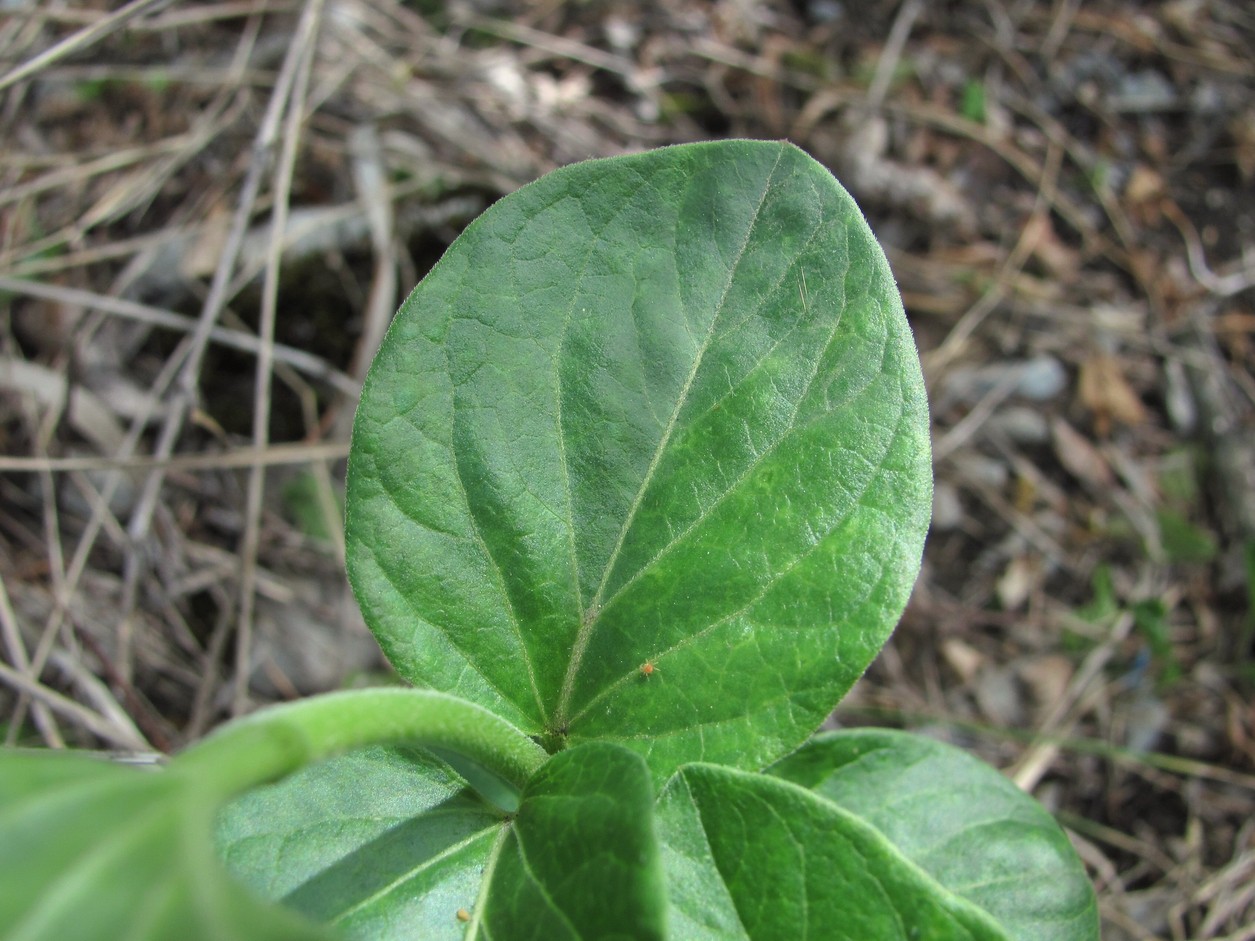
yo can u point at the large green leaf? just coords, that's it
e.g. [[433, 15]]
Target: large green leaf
[[749, 856], [90, 850], [388, 843], [965, 824], [662, 408]]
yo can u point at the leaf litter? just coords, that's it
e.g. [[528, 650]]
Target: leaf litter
[[1064, 194]]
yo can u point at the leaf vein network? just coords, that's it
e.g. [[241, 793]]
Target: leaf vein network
[[559, 398], [440, 629], [411, 874], [678, 536], [766, 588], [586, 627]]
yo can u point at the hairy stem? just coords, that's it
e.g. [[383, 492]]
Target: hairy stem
[[274, 742]]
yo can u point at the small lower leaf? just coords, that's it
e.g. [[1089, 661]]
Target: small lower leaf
[[752, 856], [91, 850], [389, 843], [381, 843], [581, 861], [961, 821]]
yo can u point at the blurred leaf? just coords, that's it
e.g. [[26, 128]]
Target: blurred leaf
[[303, 501], [92, 89], [1177, 478], [1104, 604], [1107, 394], [91, 850], [1182, 540], [1078, 455], [1150, 618], [972, 105]]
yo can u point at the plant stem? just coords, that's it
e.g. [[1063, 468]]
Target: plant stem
[[276, 741]]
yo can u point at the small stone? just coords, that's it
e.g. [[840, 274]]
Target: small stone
[[1038, 379]]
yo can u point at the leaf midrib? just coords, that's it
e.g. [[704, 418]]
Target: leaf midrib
[[412, 873], [589, 621], [762, 593], [767, 452], [857, 502]]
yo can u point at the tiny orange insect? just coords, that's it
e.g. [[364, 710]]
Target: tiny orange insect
[[463, 915], [647, 669]]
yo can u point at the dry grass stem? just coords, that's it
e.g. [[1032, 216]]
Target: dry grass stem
[[208, 213], [305, 42]]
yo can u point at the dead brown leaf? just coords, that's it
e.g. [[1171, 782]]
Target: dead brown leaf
[[1058, 258], [1107, 394], [1078, 456], [1144, 193], [1047, 678], [963, 658], [1242, 128], [1018, 581]]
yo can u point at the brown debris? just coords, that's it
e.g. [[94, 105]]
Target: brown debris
[[1107, 395], [1063, 190]]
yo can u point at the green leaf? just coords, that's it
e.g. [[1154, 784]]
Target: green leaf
[[388, 843], [91, 850], [1182, 540], [658, 408], [961, 821], [581, 860], [380, 843], [755, 857], [1105, 603], [303, 499], [973, 105]]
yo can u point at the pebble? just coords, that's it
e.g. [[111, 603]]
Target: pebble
[[948, 510], [1038, 379], [1020, 424]]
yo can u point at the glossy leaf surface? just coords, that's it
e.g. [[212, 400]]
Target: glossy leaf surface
[[961, 821], [91, 850], [749, 856], [388, 843], [662, 408]]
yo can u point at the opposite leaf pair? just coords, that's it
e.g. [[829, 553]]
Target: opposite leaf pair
[[862, 834]]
